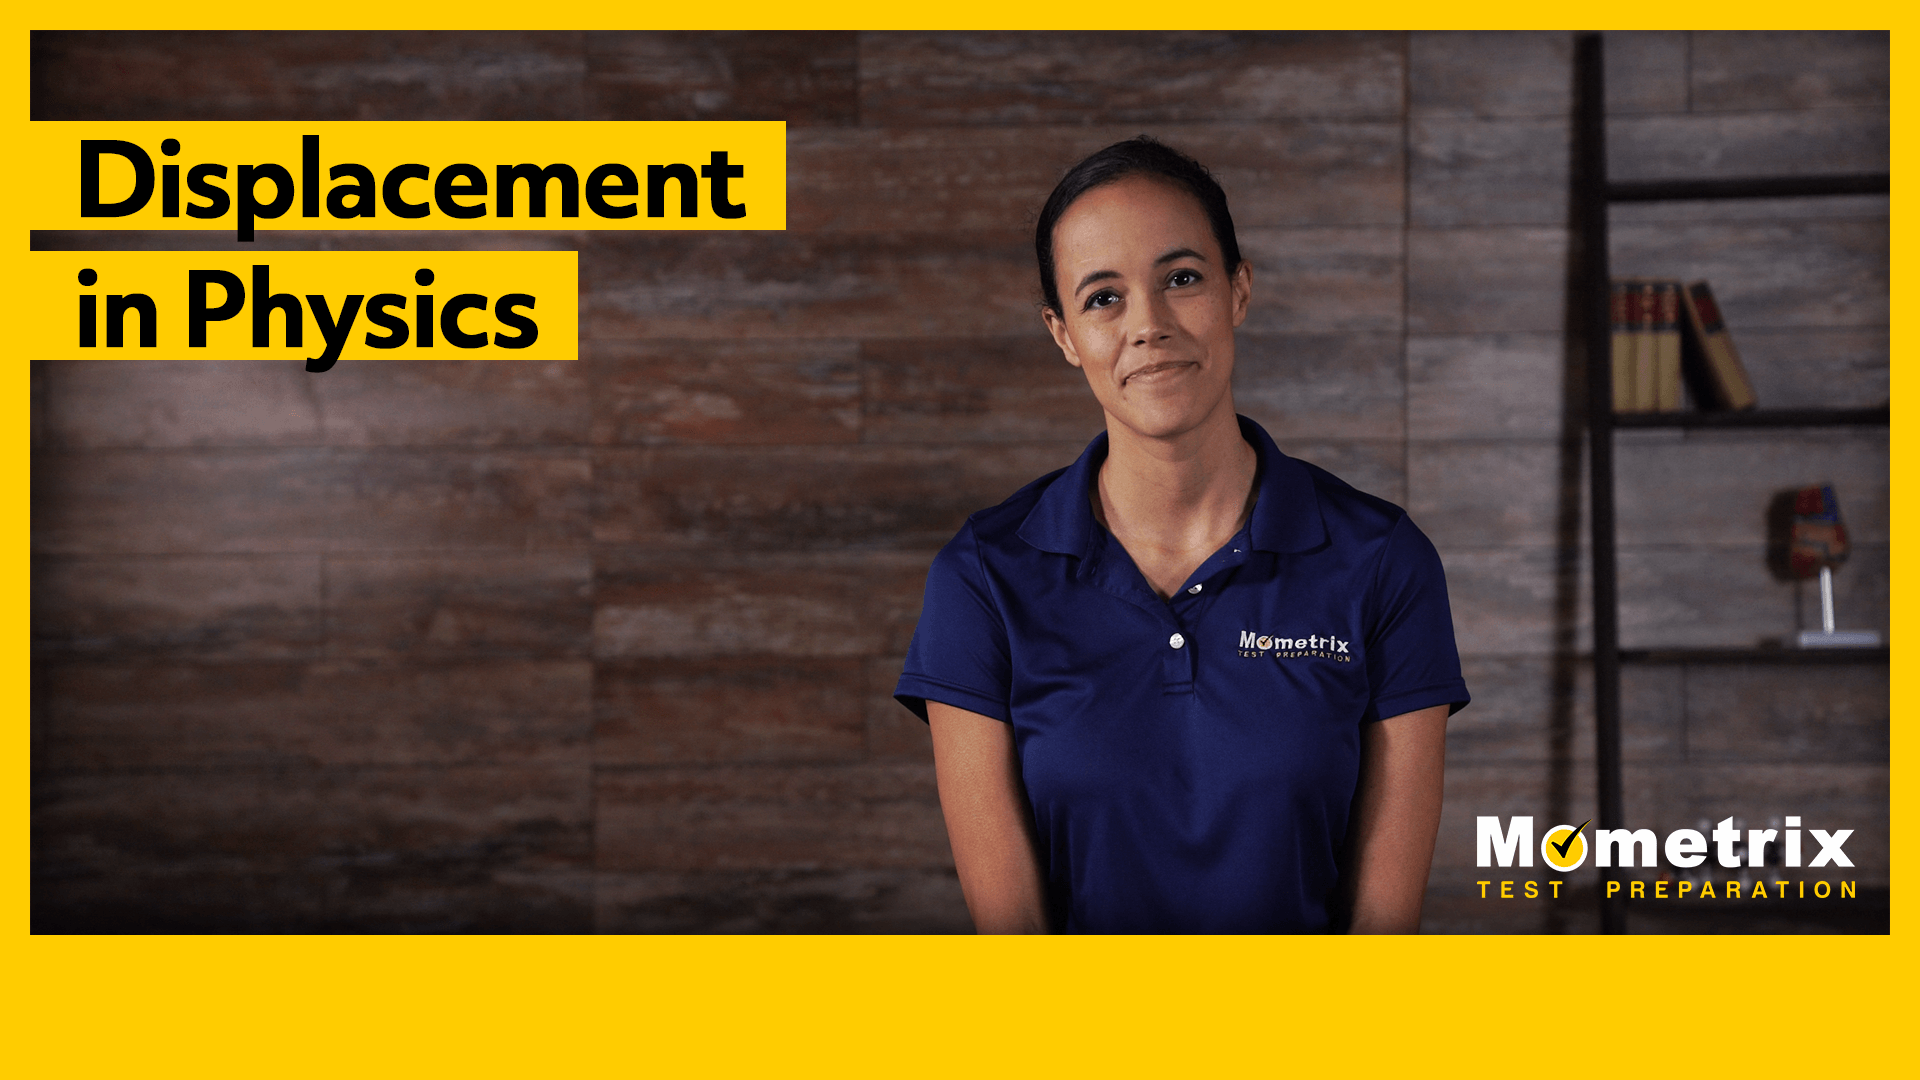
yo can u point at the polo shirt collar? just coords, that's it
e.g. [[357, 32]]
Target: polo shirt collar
[[1286, 517]]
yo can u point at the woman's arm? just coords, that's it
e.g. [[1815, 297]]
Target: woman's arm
[[988, 821], [1396, 816]]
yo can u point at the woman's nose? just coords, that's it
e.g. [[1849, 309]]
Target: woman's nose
[[1153, 320]]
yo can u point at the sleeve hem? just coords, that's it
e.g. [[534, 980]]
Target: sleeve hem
[[1451, 694], [914, 691]]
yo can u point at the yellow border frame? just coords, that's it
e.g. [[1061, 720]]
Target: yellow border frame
[[511, 1006]]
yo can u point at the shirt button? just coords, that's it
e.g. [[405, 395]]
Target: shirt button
[[1195, 591], [1176, 641]]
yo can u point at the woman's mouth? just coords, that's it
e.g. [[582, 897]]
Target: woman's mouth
[[1158, 372]]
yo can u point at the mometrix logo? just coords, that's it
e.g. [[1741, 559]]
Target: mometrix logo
[[1564, 848], [1325, 646]]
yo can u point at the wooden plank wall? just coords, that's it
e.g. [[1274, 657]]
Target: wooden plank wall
[[608, 645]]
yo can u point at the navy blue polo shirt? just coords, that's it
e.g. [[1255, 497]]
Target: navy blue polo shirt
[[1190, 762]]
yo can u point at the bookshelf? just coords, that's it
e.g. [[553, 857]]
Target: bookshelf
[[1593, 194], [1783, 655], [1756, 418]]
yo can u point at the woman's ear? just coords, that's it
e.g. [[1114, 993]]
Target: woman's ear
[[1242, 285], [1057, 326]]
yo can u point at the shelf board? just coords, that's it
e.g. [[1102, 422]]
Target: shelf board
[[1756, 418], [1754, 656], [1750, 187]]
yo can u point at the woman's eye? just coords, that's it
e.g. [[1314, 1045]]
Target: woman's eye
[[1103, 298], [1182, 278]]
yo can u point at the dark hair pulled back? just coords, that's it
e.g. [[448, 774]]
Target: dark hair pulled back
[[1138, 156]]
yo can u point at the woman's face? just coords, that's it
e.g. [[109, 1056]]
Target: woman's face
[[1148, 311]]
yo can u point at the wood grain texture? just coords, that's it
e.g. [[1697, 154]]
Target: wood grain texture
[[1530, 710], [1794, 69], [1709, 145], [192, 605], [807, 498], [1699, 596], [965, 390], [739, 817], [802, 78], [1490, 279], [422, 849], [1531, 601], [1333, 280], [657, 605], [893, 733], [1321, 386], [450, 605], [1490, 73], [1662, 500], [1008, 78], [732, 710], [94, 404], [1496, 493], [886, 901], [1486, 386], [778, 392], [222, 717], [1770, 275], [920, 179], [1846, 367], [284, 501], [805, 285], [454, 403], [1758, 713], [1377, 467], [1516, 601], [1473, 171], [307, 75], [1705, 488], [1646, 71], [805, 78]]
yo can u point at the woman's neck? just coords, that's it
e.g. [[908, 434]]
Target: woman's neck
[[1172, 502]]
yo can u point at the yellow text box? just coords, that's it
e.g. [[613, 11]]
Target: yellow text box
[[241, 176], [324, 307]]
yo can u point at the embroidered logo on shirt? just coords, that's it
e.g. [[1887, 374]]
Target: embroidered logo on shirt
[[1324, 646]]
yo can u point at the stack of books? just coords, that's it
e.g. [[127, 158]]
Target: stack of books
[[1666, 335]]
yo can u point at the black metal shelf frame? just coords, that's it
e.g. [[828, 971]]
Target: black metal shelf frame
[[1749, 187], [1593, 192], [1756, 418], [1755, 656]]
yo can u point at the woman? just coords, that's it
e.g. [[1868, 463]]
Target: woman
[[1187, 684]]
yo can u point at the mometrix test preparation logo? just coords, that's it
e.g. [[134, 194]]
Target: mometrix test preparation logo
[[1718, 863], [1324, 646]]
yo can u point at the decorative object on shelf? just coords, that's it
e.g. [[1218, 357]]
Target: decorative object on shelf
[[1714, 371], [1817, 544]]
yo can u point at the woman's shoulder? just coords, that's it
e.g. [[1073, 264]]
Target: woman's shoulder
[[1002, 523], [1020, 526], [1337, 496], [1318, 507]]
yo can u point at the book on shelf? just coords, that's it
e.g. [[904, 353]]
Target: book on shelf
[[1646, 345], [1713, 368], [1644, 379], [1625, 306], [1666, 346]]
